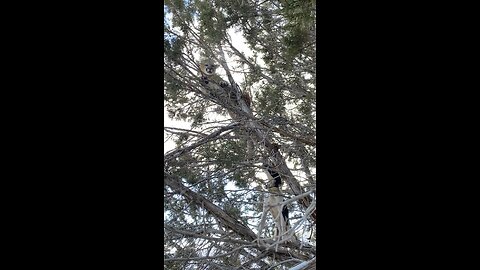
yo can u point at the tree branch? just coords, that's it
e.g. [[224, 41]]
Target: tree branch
[[212, 136]]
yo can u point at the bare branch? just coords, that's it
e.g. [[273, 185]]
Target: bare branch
[[178, 152]]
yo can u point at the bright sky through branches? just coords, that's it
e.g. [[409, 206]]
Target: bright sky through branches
[[241, 44]]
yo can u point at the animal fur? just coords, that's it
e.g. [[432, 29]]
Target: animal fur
[[208, 74], [274, 201], [247, 98]]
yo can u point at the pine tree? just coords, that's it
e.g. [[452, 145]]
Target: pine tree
[[214, 183]]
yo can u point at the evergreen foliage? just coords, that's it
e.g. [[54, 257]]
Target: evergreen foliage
[[214, 183]]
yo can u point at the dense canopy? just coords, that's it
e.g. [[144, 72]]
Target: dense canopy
[[214, 180]]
